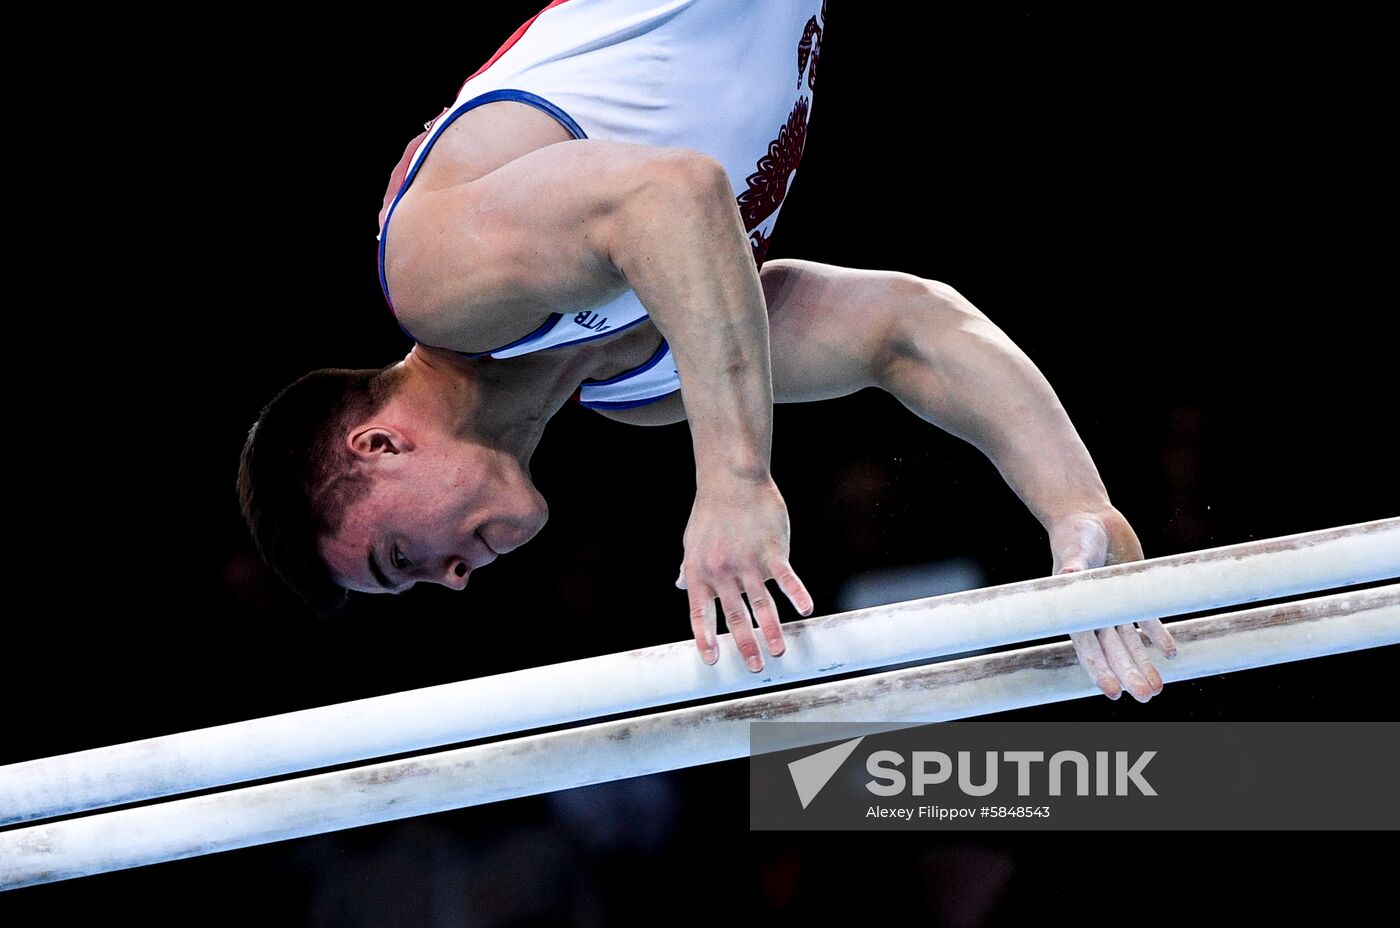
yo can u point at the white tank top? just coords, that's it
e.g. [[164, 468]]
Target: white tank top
[[730, 78]]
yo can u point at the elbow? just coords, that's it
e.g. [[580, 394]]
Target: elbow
[[946, 305], [929, 321], [695, 174], [682, 182], [930, 306], [677, 199]]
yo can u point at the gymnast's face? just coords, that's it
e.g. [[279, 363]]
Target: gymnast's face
[[437, 509]]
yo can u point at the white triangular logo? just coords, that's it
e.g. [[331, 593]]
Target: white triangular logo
[[810, 774]]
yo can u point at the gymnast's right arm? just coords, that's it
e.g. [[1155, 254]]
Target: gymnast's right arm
[[578, 223]]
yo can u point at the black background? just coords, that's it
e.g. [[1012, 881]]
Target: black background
[[1179, 213]]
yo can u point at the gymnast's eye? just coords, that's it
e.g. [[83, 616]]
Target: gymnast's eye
[[397, 559]]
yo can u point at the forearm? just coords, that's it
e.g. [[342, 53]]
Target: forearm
[[685, 253], [956, 369]]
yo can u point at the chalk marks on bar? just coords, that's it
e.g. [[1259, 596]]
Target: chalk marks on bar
[[664, 741], [652, 677]]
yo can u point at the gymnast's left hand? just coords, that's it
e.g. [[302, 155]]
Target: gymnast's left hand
[[1115, 658]]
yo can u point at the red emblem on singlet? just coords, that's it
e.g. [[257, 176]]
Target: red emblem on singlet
[[768, 185]]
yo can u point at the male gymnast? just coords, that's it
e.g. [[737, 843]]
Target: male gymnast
[[588, 222]]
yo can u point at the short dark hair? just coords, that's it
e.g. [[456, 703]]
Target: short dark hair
[[296, 478]]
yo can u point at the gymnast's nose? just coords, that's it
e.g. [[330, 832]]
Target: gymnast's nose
[[455, 573]]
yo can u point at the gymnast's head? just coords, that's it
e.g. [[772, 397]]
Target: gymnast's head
[[365, 480]]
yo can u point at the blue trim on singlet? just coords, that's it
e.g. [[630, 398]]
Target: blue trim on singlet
[[552, 319], [567, 121], [655, 359], [625, 404], [629, 404], [519, 96], [544, 327]]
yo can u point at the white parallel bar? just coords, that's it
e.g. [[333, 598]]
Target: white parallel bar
[[664, 741], [666, 674]]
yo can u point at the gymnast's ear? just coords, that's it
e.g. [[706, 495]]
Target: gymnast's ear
[[370, 442]]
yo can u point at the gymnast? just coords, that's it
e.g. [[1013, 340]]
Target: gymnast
[[588, 221]]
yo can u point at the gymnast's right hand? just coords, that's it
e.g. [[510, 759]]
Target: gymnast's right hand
[[737, 540]]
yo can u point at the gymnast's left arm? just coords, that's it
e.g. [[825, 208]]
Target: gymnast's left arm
[[954, 367], [837, 329]]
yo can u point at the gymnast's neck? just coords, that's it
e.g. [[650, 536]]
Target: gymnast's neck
[[502, 403]]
